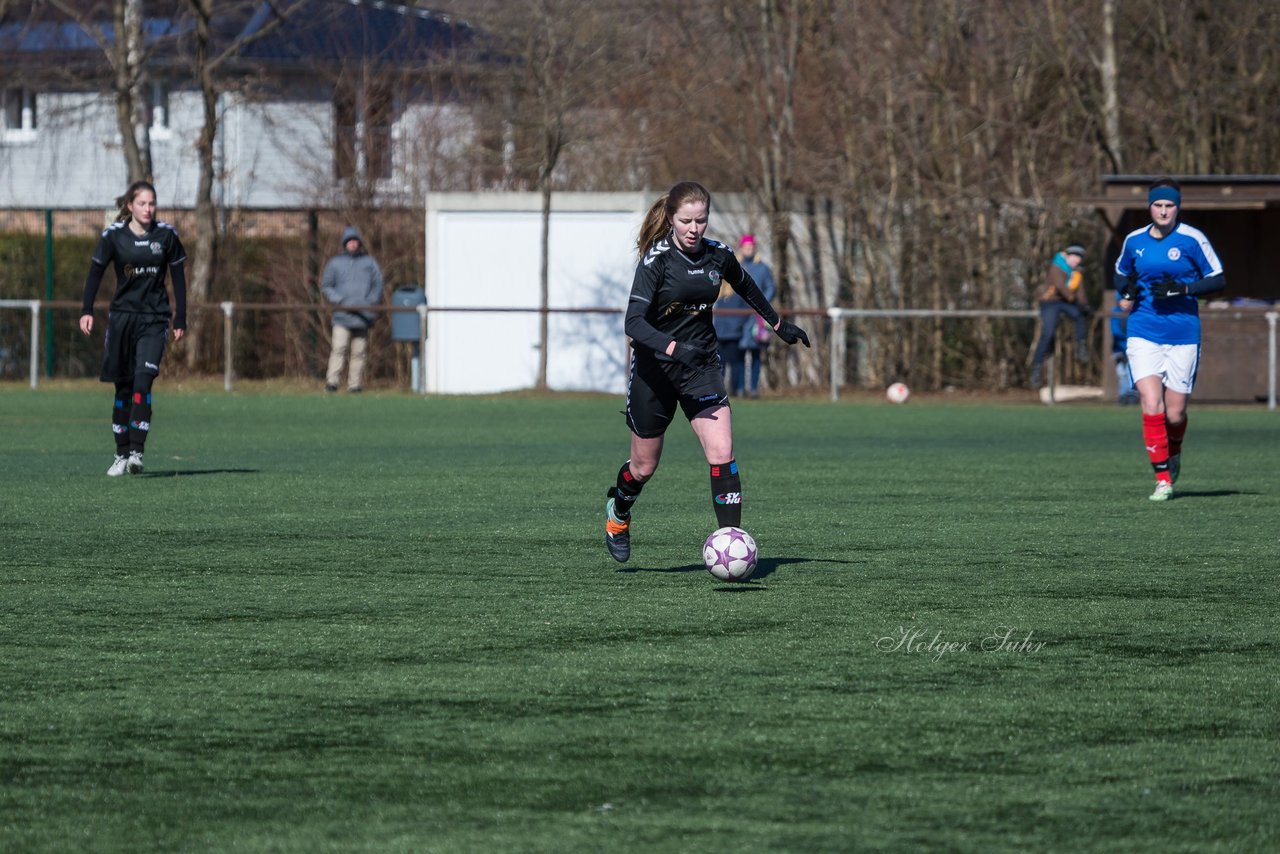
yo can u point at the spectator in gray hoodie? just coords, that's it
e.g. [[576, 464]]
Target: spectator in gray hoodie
[[352, 278]]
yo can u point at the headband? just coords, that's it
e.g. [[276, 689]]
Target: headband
[[1164, 194]]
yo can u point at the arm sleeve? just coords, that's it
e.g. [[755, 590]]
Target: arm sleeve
[[644, 288], [376, 284], [1208, 285], [746, 287], [178, 270], [1121, 280], [1056, 284], [91, 284], [329, 284]]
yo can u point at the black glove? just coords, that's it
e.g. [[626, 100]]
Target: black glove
[[791, 333], [1168, 289], [1129, 291], [689, 355]]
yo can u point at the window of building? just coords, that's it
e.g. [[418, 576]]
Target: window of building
[[19, 114], [364, 116], [158, 109]]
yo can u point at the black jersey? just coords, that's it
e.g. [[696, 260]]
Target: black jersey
[[141, 263], [672, 294]]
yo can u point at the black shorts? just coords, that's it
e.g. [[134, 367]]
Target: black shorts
[[655, 387], [134, 345]]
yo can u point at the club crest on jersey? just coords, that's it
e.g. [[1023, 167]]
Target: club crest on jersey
[[1174, 253], [715, 277], [156, 249]]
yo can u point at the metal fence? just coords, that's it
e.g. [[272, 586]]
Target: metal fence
[[841, 320]]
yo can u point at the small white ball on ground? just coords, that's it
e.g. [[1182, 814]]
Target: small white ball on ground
[[898, 393]]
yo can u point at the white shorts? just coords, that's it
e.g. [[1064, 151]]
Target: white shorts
[[1175, 364]]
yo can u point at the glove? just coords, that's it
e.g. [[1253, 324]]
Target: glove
[[791, 333], [689, 355], [1168, 289], [1129, 292]]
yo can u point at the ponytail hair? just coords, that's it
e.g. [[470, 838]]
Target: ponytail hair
[[130, 194], [657, 221]]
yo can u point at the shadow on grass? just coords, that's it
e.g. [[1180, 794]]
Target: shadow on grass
[[693, 567], [1209, 493], [190, 472], [768, 566]]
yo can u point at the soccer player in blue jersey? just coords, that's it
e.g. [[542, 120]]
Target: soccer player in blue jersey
[[674, 360], [144, 252], [1162, 269]]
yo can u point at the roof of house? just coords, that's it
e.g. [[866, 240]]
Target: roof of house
[[317, 33]]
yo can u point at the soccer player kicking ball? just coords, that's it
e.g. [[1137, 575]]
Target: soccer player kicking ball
[[1163, 267], [674, 360]]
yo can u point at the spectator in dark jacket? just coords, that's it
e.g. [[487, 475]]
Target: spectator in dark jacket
[[351, 278]]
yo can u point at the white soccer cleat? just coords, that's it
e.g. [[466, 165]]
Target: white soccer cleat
[[134, 465], [1164, 491], [1175, 466], [119, 466]]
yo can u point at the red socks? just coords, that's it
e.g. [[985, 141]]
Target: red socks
[[1155, 435]]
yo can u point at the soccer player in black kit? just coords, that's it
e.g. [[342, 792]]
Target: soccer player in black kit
[[674, 360], [143, 251]]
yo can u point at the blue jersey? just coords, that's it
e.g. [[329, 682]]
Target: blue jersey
[[1184, 255]]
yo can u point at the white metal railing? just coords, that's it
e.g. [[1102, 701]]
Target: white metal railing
[[1271, 316], [32, 305], [839, 317]]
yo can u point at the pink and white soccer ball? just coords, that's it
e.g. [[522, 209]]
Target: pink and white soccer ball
[[898, 393], [730, 554]]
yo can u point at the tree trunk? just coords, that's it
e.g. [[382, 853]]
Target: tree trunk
[[1109, 72], [204, 254]]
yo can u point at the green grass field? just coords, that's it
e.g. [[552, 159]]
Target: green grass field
[[389, 623]]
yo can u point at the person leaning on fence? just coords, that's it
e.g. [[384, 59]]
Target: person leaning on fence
[[1062, 296], [1163, 267], [674, 360], [350, 278], [143, 252]]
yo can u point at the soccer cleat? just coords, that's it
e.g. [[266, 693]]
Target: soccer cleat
[[134, 463], [1175, 465], [119, 466], [1164, 491], [617, 534]]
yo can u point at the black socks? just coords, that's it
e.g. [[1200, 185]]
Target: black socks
[[726, 494]]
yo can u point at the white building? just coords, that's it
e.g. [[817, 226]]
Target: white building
[[343, 92]]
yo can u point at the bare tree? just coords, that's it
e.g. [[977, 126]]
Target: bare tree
[[127, 53], [208, 61], [564, 60]]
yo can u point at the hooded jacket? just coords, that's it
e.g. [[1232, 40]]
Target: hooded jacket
[[352, 280]]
